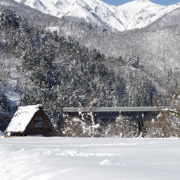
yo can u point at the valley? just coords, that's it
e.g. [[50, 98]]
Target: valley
[[103, 56]]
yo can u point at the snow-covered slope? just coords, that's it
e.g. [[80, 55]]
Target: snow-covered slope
[[141, 13], [168, 19], [135, 14]]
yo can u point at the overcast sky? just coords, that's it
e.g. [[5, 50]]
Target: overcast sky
[[162, 2]]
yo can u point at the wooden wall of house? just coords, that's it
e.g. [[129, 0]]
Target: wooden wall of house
[[40, 124]]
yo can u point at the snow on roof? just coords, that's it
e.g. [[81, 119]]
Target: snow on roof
[[22, 118]]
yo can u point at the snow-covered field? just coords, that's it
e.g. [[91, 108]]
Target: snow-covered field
[[36, 158]]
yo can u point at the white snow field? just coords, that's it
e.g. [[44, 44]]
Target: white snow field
[[36, 158]]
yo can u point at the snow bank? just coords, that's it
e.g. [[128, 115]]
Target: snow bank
[[22, 118]]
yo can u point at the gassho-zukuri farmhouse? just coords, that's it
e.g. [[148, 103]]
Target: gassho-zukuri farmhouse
[[30, 120]]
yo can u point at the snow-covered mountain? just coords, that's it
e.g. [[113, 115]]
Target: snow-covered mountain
[[172, 18], [135, 14], [141, 13]]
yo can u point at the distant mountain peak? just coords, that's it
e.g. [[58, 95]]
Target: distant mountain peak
[[132, 15]]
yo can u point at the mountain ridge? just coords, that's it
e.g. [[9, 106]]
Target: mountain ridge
[[132, 15]]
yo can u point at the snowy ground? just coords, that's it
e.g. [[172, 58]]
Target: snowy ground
[[36, 158]]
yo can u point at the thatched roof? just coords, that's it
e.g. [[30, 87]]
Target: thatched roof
[[22, 118]]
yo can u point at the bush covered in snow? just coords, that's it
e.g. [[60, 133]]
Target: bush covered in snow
[[89, 125], [167, 122]]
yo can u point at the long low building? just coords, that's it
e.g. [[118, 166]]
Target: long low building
[[113, 109]]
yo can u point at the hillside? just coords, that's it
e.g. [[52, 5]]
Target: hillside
[[169, 19], [156, 45], [57, 72]]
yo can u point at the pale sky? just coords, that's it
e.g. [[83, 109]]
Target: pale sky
[[162, 2]]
